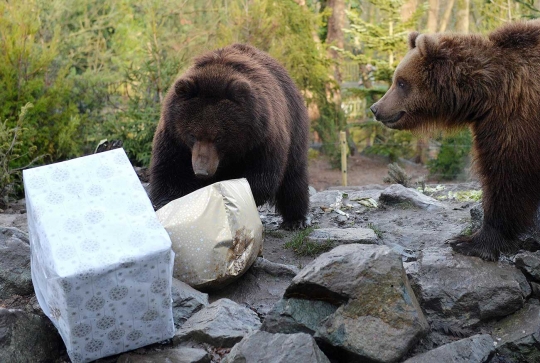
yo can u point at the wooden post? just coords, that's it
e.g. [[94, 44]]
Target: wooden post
[[343, 143]]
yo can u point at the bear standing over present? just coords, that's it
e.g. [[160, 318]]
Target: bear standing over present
[[235, 113], [492, 85]]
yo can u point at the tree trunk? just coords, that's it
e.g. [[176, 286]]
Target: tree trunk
[[446, 16], [336, 23], [462, 16], [408, 9], [433, 16]]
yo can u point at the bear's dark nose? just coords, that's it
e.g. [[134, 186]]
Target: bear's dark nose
[[373, 109]]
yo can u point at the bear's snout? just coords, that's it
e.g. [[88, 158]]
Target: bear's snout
[[204, 159], [373, 109]]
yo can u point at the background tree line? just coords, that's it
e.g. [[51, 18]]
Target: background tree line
[[73, 72]]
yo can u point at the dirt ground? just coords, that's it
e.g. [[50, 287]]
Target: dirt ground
[[362, 170]]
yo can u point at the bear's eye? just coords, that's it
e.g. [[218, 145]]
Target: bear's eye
[[401, 83], [192, 138]]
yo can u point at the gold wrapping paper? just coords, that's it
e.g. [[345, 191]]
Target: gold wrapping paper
[[216, 233]]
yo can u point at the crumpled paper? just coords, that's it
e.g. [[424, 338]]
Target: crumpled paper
[[216, 233], [101, 262]]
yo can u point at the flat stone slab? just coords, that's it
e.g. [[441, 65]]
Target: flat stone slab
[[398, 194], [475, 349], [343, 235], [276, 348], [518, 335], [466, 288], [177, 355], [220, 324]]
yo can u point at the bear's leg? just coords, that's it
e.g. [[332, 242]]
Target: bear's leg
[[292, 198], [171, 173]]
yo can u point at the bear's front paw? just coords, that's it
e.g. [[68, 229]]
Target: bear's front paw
[[296, 224], [468, 246]]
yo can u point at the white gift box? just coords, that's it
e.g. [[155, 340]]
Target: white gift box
[[216, 233], [101, 261]]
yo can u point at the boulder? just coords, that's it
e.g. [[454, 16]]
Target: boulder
[[26, 337], [518, 336], [276, 348], [467, 289], [260, 287], [297, 316], [15, 278], [378, 317], [220, 324], [398, 194], [529, 262], [475, 349], [186, 301]]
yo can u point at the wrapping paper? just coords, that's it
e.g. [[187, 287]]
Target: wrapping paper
[[101, 262], [216, 233]]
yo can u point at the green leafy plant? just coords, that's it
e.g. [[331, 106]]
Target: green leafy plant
[[11, 150]]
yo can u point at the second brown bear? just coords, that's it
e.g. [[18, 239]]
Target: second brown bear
[[491, 85], [235, 113]]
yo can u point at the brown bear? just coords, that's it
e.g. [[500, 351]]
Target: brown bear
[[491, 84], [235, 113]]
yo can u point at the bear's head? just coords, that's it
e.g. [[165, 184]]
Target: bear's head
[[443, 78], [215, 113]]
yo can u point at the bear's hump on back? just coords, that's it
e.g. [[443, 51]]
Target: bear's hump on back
[[517, 35], [238, 61]]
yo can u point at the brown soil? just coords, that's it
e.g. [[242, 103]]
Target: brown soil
[[362, 170]]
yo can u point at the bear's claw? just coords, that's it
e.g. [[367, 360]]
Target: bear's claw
[[295, 225], [467, 246]]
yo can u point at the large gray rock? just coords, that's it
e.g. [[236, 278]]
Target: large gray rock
[[475, 349], [326, 199], [259, 347], [260, 287], [378, 318], [297, 316], [398, 194], [15, 278], [530, 263], [466, 288], [518, 335], [177, 355], [27, 337], [186, 301], [343, 235], [221, 324]]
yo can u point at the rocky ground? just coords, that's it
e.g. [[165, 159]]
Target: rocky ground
[[373, 281]]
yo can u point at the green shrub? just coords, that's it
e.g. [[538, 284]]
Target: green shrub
[[452, 156], [11, 152]]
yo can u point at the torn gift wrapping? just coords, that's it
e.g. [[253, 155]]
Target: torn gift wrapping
[[101, 261], [216, 233]]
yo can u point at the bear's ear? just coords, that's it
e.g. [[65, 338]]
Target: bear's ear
[[186, 88], [238, 91], [426, 44], [412, 39]]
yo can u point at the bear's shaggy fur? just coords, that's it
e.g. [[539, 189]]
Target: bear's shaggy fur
[[491, 84], [235, 113]]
